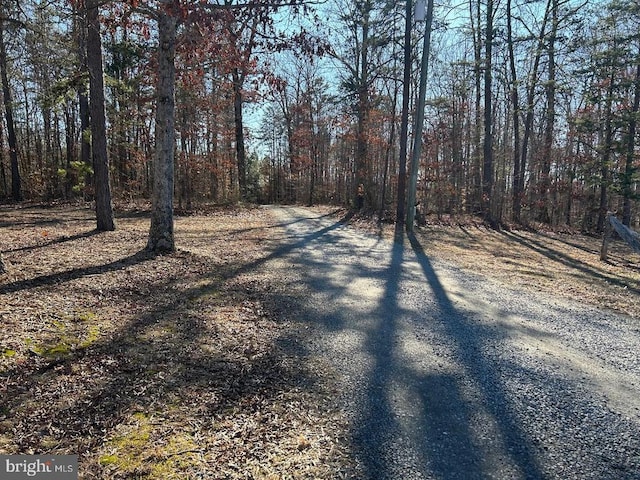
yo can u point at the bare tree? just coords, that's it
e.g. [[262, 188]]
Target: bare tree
[[629, 169], [515, 106], [161, 236], [364, 55], [404, 124], [104, 208], [550, 118], [83, 99], [487, 172], [16, 184]]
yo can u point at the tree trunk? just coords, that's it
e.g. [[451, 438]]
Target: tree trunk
[[531, 92], [16, 183], [404, 122], [606, 237], [52, 189], [239, 126], [476, 188], [69, 135], [161, 238], [387, 156], [606, 154], [515, 105], [3, 175], [487, 170], [83, 99], [550, 90], [85, 125], [629, 170], [362, 126], [572, 175], [104, 207], [417, 139]]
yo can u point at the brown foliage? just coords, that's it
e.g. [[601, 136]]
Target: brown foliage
[[176, 366]]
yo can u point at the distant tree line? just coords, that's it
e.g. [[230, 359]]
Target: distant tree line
[[531, 112]]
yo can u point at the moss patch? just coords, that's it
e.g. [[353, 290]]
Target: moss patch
[[129, 450], [146, 450], [67, 335]]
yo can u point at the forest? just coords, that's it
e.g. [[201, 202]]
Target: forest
[[530, 109], [277, 149]]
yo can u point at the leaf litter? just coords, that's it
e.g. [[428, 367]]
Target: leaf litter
[[176, 366], [186, 366], [561, 262]]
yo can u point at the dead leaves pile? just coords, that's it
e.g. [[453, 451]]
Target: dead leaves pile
[[179, 366]]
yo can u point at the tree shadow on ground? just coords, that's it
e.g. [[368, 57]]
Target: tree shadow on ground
[[332, 213], [167, 332], [43, 216], [438, 436], [566, 260], [73, 274], [432, 389], [453, 430], [172, 356], [55, 241]]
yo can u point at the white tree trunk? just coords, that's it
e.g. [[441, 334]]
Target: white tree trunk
[[161, 237]]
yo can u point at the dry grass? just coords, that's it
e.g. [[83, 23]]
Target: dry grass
[[178, 366], [557, 264]]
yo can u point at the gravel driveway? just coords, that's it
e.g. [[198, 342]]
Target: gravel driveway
[[446, 375]]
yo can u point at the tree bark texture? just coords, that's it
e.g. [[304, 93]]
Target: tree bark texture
[[362, 170], [606, 155], [104, 207], [161, 236], [516, 200], [3, 174], [83, 98], [417, 138], [16, 183], [404, 122], [630, 169], [550, 91], [239, 127], [487, 171], [474, 205]]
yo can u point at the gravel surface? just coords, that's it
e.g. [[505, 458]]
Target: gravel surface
[[446, 375]]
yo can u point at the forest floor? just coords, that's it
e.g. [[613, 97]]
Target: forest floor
[[170, 367], [189, 365], [563, 264]]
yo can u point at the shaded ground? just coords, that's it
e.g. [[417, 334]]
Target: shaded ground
[[452, 375], [178, 366], [563, 264], [189, 365]]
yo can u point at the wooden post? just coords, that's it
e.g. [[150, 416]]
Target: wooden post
[[606, 236]]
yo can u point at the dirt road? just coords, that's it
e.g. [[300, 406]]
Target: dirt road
[[446, 375]]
